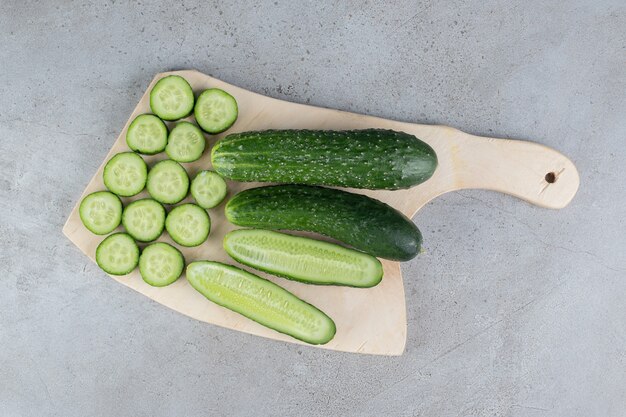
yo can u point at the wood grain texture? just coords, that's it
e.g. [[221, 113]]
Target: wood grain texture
[[368, 320]]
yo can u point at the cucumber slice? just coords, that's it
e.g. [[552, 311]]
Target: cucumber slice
[[186, 143], [208, 189], [101, 212], [171, 98], [125, 174], [147, 134], [168, 182], [188, 224], [161, 264], [303, 259], [117, 254], [261, 300], [144, 219], [215, 110]]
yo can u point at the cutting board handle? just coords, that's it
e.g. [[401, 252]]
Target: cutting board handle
[[530, 171]]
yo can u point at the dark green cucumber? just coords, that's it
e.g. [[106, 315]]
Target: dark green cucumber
[[260, 300], [371, 158], [357, 220]]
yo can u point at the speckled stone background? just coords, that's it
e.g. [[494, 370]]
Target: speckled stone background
[[513, 310]]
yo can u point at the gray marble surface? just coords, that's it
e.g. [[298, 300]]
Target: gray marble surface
[[513, 310]]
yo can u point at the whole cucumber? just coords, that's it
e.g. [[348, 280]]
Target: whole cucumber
[[370, 158], [357, 220]]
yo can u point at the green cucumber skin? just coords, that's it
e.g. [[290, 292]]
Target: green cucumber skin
[[329, 245], [357, 220], [197, 286], [370, 158]]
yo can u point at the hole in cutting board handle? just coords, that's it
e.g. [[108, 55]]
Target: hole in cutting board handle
[[550, 177]]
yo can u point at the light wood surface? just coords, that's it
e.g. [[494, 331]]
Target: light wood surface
[[368, 320]]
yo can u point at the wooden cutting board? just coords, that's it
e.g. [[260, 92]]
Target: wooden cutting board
[[368, 320]]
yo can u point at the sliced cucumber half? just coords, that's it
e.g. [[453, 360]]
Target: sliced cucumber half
[[261, 300], [303, 259], [188, 224], [168, 182], [117, 254], [215, 110], [171, 98], [208, 189], [161, 264], [186, 143], [101, 212], [125, 174], [147, 134], [144, 219]]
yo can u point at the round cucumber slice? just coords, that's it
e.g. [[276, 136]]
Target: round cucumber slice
[[101, 212], [144, 219], [125, 174], [171, 98], [186, 143], [161, 264], [147, 134], [168, 182], [117, 254], [215, 110], [208, 189], [188, 225]]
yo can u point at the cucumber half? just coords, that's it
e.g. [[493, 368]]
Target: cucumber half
[[147, 134], [303, 259], [186, 143], [161, 264], [261, 300], [101, 212], [215, 110], [188, 224], [117, 254], [168, 182], [125, 174], [171, 98], [208, 189], [144, 219]]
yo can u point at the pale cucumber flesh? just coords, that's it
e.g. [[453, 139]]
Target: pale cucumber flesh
[[168, 182], [208, 189], [161, 264], [125, 174], [186, 143], [117, 254], [147, 134], [188, 224], [215, 110], [260, 300], [303, 259], [101, 212], [144, 219], [171, 98]]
